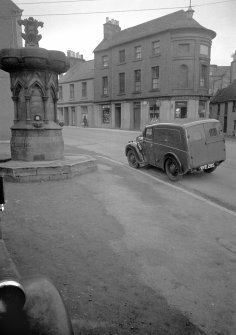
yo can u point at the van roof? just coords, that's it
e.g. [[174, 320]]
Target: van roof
[[183, 123]]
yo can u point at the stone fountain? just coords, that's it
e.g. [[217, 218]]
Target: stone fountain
[[37, 146]]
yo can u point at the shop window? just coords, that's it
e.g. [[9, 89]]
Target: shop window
[[181, 109], [155, 77], [122, 82], [122, 56], [202, 109], [156, 48], [137, 80], [106, 114], [138, 52], [154, 112]]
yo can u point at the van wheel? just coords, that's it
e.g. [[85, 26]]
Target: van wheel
[[172, 169], [210, 169], [132, 159]]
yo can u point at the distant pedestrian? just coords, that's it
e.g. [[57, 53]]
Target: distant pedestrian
[[85, 121]]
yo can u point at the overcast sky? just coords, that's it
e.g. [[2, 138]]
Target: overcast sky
[[83, 32]]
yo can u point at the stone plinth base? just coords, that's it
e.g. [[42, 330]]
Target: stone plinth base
[[36, 144], [70, 166]]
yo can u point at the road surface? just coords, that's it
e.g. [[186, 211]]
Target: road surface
[[127, 248]]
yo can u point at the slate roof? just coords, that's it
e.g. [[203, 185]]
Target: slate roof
[[11, 5], [226, 94], [80, 71], [176, 20]]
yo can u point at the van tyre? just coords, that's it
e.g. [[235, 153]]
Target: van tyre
[[172, 169], [132, 159], [210, 169]]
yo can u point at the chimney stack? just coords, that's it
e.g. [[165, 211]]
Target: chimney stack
[[110, 28]]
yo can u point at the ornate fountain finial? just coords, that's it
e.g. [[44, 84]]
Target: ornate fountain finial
[[31, 35]]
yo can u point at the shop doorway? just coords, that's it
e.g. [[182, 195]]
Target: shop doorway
[[117, 115], [137, 115]]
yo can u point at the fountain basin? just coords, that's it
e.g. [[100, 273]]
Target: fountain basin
[[12, 60]]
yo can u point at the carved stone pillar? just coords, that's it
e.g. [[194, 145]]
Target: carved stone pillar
[[45, 106], [15, 101], [55, 110], [27, 102]]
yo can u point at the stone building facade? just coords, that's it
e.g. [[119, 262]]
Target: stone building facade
[[219, 78], [10, 37], [156, 71], [76, 95], [223, 104]]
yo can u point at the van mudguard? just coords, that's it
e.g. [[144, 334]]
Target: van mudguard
[[171, 154], [138, 151]]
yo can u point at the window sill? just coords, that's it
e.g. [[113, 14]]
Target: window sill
[[155, 56], [137, 60], [121, 94], [137, 92], [155, 90], [105, 96], [121, 63]]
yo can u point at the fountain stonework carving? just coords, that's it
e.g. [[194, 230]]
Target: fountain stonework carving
[[37, 146], [36, 133]]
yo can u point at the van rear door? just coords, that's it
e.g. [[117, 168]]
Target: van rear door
[[197, 145], [215, 141]]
